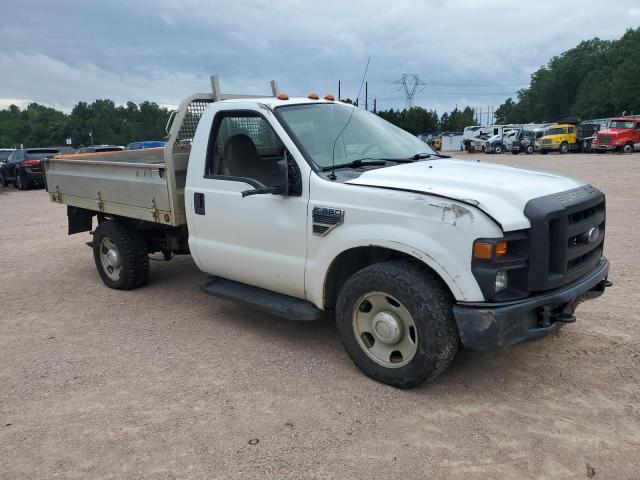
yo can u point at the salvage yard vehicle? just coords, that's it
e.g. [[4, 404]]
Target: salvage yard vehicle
[[523, 141], [622, 134], [566, 137], [23, 168], [303, 206]]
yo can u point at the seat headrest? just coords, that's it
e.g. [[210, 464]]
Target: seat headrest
[[240, 145]]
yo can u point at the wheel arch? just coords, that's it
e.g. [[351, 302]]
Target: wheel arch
[[354, 259]]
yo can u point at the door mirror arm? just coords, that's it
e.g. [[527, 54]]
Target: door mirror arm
[[279, 190]]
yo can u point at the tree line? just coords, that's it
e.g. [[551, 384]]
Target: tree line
[[596, 79], [39, 126], [420, 120]]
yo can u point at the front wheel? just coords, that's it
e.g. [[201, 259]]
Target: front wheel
[[564, 148], [396, 323], [529, 150], [498, 149], [628, 148], [120, 255]]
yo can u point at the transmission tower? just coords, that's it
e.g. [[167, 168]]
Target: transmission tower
[[410, 83]]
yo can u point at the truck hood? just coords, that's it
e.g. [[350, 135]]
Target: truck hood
[[615, 132], [500, 191]]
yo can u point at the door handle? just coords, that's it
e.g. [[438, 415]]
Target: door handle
[[198, 203]]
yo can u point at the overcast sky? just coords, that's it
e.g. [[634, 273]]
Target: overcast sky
[[468, 52]]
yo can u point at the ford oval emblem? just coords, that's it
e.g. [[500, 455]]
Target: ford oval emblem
[[593, 234]]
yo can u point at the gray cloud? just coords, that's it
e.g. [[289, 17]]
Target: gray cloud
[[474, 53]]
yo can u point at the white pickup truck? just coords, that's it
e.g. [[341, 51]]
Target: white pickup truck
[[304, 206]]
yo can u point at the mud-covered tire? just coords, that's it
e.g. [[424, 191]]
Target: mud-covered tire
[[430, 306], [133, 257]]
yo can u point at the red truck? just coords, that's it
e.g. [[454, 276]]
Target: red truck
[[622, 134]]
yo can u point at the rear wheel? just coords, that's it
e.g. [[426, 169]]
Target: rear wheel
[[515, 152], [120, 255], [396, 323], [3, 180], [529, 150], [564, 148], [21, 183], [544, 152], [628, 148], [498, 149]]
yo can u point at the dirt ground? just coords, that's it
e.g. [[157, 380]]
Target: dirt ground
[[166, 382]]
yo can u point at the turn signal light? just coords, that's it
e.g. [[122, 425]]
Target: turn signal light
[[282, 96], [501, 248], [483, 250], [314, 96]]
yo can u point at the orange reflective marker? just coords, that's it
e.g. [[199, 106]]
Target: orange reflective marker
[[329, 97], [282, 96], [313, 96], [482, 250]]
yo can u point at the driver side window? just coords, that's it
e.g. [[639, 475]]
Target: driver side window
[[243, 145]]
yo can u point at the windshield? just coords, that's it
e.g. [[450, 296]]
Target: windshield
[[620, 124], [316, 127], [555, 131]]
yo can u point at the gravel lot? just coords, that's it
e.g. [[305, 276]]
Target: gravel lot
[[165, 382]]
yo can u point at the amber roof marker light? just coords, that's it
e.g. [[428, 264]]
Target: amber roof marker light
[[282, 96], [313, 96], [329, 97]]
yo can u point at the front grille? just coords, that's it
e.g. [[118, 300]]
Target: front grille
[[604, 138], [566, 236], [546, 141]]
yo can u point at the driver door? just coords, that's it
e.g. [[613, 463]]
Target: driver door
[[258, 240]]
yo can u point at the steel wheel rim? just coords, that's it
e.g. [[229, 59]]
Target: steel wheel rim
[[385, 330], [110, 259]]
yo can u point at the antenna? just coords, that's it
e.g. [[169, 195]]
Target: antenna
[[332, 176]]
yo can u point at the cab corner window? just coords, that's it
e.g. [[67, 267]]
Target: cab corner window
[[244, 146]]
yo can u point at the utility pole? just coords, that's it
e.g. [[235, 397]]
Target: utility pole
[[410, 83], [339, 97], [366, 96], [375, 106]]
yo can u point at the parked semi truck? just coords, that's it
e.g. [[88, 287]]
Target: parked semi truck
[[302, 207], [621, 134]]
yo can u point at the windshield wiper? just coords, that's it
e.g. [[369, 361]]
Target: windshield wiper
[[360, 162], [420, 156]]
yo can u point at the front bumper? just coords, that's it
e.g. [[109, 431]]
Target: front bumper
[[604, 147], [484, 326]]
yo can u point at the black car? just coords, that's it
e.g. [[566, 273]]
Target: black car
[[23, 167]]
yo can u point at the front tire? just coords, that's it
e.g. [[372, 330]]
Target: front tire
[[498, 149], [564, 148], [120, 255], [529, 150], [628, 148], [396, 323]]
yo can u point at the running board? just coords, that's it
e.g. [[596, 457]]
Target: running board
[[270, 302]]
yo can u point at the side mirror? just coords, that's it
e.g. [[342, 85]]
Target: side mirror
[[281, 180]]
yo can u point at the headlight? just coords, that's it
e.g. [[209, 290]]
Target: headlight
[[502, 280]]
